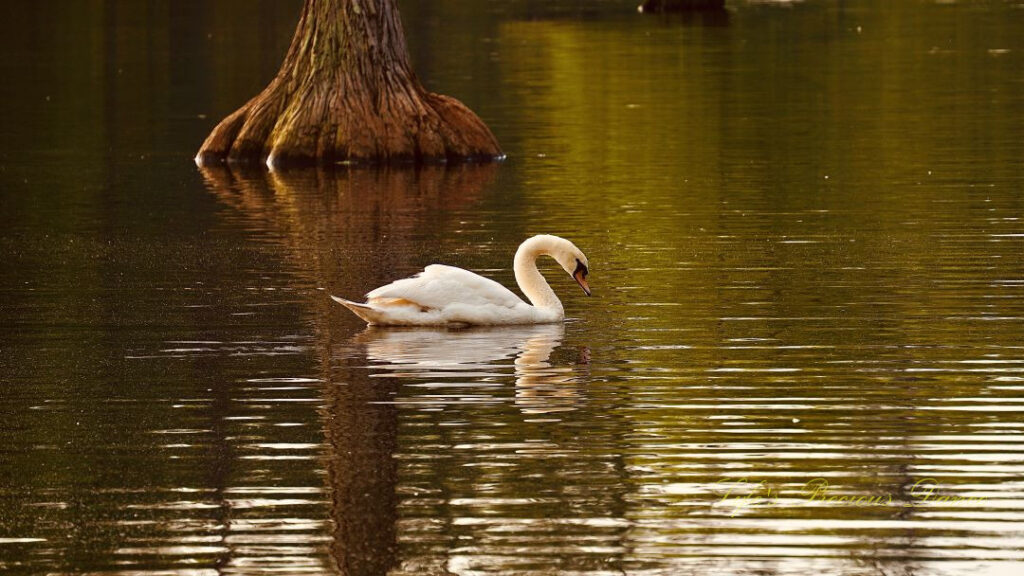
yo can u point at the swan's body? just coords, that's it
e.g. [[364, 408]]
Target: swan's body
[[446, 295]]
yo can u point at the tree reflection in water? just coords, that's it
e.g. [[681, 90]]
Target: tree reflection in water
[[332, 223]]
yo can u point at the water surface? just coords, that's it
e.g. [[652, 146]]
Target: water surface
[[804, 352]]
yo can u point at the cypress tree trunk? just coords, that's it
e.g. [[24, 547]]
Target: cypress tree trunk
[[346, 92]]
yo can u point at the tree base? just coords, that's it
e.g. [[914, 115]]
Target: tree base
[[347, 94], [285, 130]]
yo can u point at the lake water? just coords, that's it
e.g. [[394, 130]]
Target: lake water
[[804, 353]]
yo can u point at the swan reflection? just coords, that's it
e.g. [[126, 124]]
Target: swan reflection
[[477, 357]]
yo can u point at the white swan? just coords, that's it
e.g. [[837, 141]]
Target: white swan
[[445, 295]]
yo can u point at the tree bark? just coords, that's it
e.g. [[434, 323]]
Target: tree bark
[[346, 92]]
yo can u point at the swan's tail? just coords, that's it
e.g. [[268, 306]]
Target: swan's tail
[[364, 311]]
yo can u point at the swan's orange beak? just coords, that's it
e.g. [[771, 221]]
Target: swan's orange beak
[[581, 278]]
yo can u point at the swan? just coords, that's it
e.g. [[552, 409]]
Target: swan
[[449, 296]]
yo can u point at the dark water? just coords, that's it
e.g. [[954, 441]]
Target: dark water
[[805, 352]]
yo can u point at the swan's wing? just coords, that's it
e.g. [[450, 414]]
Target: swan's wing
[[439, 286]]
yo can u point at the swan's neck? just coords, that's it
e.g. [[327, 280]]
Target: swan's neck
[[530, 280]]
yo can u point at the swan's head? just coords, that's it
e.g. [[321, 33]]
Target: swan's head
[[572, 260]]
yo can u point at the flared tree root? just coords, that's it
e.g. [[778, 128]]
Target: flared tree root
[[346, 93]]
